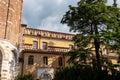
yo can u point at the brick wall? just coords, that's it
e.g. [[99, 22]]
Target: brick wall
[[10, 20], [3, 13]]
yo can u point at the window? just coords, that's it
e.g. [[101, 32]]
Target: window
[[70, 47], [118, 60], [30, 60], [45, 60], [60, 61], [35, 45], [44, 45]]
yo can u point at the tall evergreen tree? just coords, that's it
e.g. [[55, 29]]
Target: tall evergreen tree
[[95, 21], [114, 4]]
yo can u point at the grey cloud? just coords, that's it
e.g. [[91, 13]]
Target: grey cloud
[[46, 14]]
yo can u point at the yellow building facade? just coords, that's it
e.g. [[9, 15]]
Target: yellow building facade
[[42, 52]]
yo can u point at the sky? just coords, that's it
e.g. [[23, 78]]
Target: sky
[[47, 14]]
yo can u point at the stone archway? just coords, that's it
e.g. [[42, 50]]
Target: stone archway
[[8, 60]]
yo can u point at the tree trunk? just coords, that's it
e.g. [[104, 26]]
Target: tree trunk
[[97, 47]]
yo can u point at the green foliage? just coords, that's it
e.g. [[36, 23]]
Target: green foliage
[[95, 20], [85, 72], [79, 56], [98, 24], [25, 77]]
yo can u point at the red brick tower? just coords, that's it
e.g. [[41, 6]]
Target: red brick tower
[[10, 20]]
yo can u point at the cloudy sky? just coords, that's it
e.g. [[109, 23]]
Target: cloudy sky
[[47, 14]]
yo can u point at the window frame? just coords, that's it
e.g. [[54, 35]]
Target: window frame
[[30, 60], [35, 45], [45, 60], [44, 45]]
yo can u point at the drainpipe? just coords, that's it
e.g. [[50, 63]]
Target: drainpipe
[[22, 66], [64, 60], [7, 15]]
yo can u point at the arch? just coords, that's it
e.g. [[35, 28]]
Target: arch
[[8, 56], [3, 48]]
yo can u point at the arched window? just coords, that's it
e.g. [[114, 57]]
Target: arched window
[[30, 60], [45, 60], [60, 62]]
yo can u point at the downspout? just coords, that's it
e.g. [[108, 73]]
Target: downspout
[[22, 66], [5, 36]]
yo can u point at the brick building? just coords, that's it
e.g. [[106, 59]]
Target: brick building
[[42, 52]]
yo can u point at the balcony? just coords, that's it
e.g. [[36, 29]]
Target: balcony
[[49, 48], [57, 49]]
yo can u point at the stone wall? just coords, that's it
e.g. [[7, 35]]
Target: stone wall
[[8, 55]]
